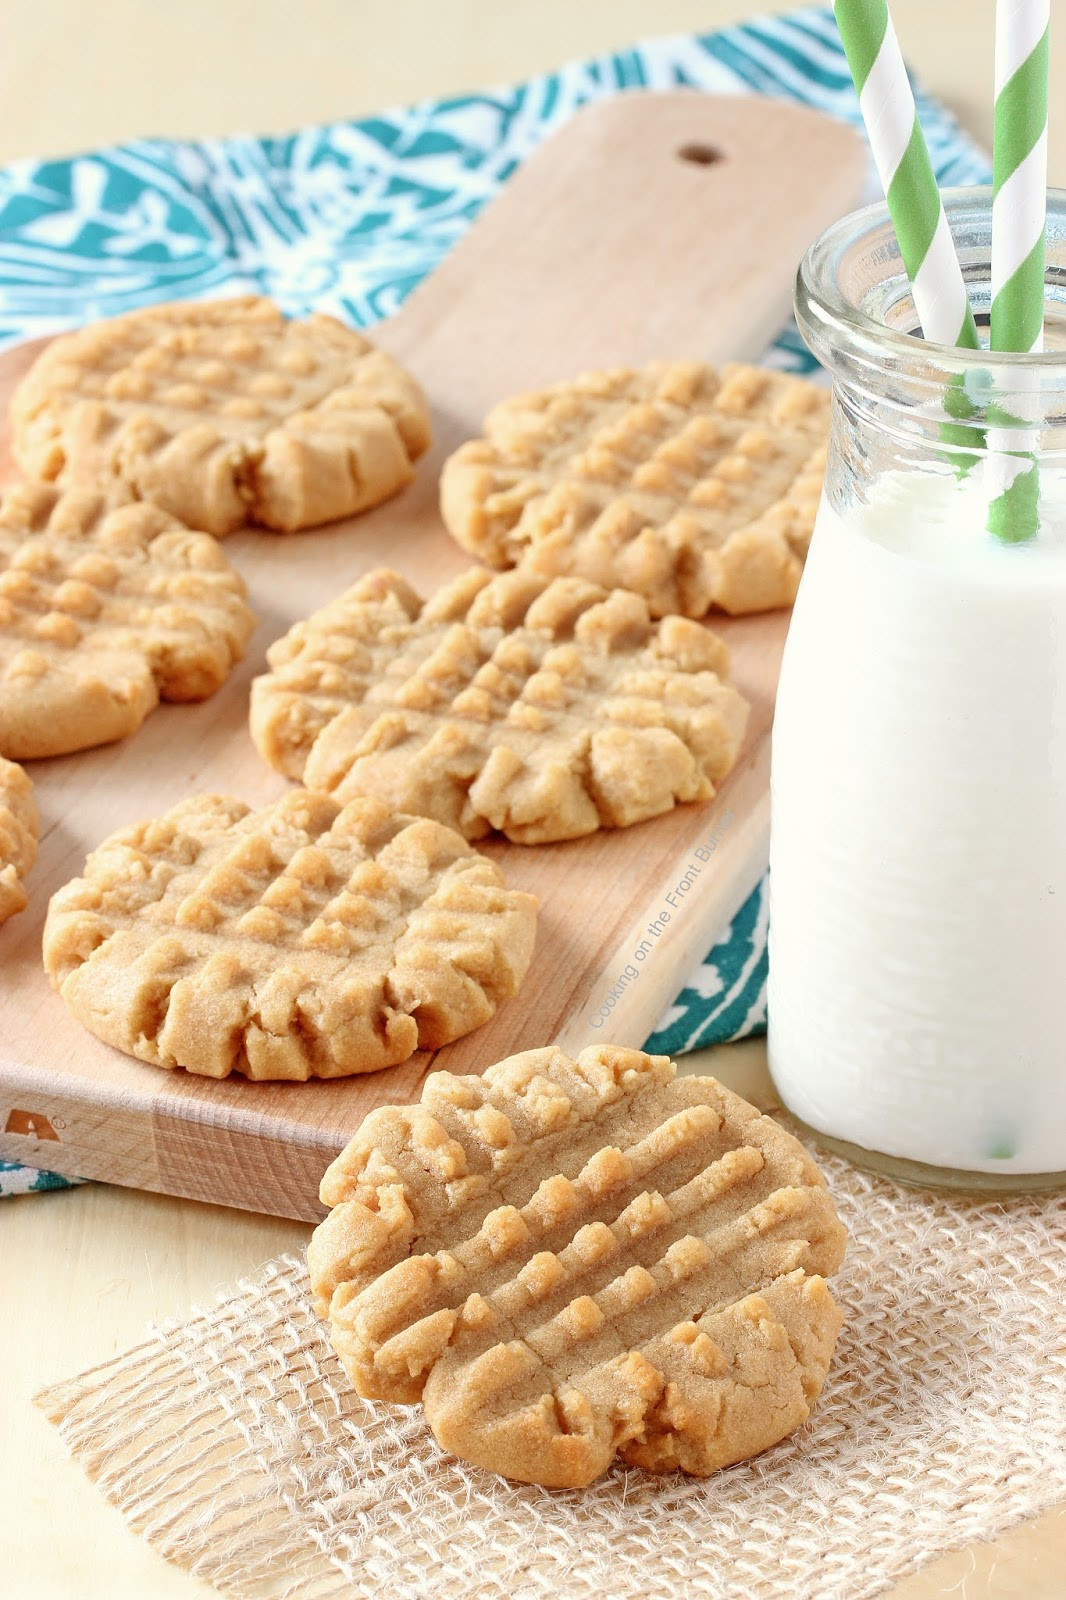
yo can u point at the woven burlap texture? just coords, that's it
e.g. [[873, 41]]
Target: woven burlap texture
[[233, 1443]]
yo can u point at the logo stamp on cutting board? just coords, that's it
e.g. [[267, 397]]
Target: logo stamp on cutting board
[[34, 1124]]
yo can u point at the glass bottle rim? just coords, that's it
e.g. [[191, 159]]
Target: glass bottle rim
[[855, 309]]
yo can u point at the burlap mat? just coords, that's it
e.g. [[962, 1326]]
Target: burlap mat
[[233, 1444]]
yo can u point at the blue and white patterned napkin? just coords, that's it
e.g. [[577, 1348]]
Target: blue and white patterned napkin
[[349, 217]]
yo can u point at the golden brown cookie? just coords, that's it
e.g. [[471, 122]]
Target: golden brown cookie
[[572, 1260], [18, 836], [546, 708], [104, 612], [691, 487], [223, 412], [307, 940]]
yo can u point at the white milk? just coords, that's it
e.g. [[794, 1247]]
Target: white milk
[[917, 993]]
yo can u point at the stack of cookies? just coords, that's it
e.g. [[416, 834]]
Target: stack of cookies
[[354, 922]]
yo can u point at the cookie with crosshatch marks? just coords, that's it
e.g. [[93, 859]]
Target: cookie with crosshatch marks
[[18, 836], [693, 488], [224, 412], [569, 1261], [545, 708], [105, 611], [306, 940]]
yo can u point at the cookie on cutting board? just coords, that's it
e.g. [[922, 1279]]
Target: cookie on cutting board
[[573, 1260], [545, 708], [223, 412], [692, 487], [305, 940], [105, 611], [18, 836]]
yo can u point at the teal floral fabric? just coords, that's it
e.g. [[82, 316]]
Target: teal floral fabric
[[17, 1179], [348, 217], [725, 997]]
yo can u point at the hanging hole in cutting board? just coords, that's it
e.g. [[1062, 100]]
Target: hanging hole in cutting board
[[701, 155]]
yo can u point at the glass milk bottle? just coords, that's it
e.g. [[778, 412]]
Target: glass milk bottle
[[917, 993]]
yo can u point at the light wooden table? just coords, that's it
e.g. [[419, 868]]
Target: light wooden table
[[84, 1271]]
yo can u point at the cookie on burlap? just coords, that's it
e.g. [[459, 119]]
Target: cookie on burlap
[[105, 611], [223, 412], [572, 1260], [691, 487], [18, 836], [307, 940], [545, 708]]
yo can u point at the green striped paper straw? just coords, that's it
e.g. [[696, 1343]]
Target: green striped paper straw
[[906, 172], [1019, 207]]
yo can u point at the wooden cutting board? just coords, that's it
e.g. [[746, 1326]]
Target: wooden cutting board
[[651, 226]]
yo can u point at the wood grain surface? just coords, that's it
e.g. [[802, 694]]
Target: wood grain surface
[[566, 269]]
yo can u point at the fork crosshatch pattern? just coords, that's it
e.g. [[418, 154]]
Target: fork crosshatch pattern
[[543, 707], [305, 940], [350, 216], [652, 1285]]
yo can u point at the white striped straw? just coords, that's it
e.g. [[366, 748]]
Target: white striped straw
[[1019, 202], [1019, 207], [906, 172]]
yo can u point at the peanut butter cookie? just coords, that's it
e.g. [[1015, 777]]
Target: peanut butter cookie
[[569, 1261], [545, 708], [18, 836], [691, 487], [307, 940], [223, 412], [103, 613]]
